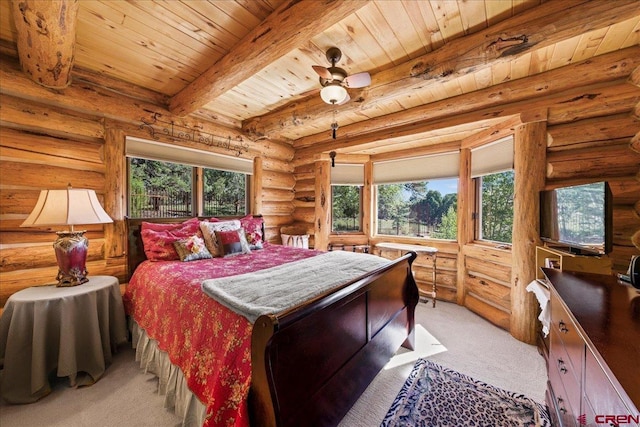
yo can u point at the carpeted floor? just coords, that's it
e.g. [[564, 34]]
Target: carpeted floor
[[456, 338]]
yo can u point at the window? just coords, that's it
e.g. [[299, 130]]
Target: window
[[492, 168], [418, 196], [346, 212], [164, 181], [159, 189], [419, 209], [347, 181], [495, 203], [164, 189], [224, 193]]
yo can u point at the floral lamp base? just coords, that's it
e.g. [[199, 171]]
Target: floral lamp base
[[71, 254]]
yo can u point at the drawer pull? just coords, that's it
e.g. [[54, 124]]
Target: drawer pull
[[561, 366], [563, 327], [561, 408]]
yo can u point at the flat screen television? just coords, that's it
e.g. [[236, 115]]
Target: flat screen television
[[578, 218]]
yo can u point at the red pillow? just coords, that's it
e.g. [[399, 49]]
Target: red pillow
[[159, 244], [232, 242], [253, 229]]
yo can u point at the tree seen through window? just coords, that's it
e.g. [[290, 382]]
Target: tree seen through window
[[164, 189], [420, 209]]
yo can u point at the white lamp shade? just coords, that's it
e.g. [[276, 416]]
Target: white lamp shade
[[67, 207], [333, 93]]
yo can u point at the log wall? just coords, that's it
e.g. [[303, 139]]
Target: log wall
[[480, 276], [600, 149], [72, 136], [64, 138]]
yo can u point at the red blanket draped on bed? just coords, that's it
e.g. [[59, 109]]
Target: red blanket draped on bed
[[207, 341]]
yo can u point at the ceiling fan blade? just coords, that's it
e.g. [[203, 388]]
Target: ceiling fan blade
[[345, 100], [358, 80], [322, 72]]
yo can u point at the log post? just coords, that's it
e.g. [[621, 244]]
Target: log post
[[465, 221], [367, 202], [115, 192], [46, 39], [635, 239], [635, 143], [322, 216], [256, 186], [529, 165]]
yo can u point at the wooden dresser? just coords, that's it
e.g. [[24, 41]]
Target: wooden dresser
[[594, 351]]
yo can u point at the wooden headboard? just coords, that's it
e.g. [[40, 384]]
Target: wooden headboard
[[135, 249]]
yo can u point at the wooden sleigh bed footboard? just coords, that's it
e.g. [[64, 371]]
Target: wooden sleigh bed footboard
[[311, 364]]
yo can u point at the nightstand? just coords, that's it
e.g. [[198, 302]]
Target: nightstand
[[69, 331]]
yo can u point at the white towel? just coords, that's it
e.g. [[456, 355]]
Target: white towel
[[543, 295]]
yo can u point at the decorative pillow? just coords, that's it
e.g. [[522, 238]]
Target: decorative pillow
[[253, 229], [209, 233], [158, 244], [192, 248], [232, 242]]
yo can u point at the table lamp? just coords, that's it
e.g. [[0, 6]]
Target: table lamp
[[71, 207]]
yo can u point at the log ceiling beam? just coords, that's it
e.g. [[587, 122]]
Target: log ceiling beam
[[543, 26], [46, 38], [573, 98], [293, 24], [534, 92]]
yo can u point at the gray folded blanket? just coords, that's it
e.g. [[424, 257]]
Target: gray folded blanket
[[279, 288]]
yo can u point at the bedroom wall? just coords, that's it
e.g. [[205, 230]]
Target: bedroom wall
[[480, 276], [50, 138]]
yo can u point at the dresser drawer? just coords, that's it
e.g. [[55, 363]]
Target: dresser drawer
[[601, 394], [567, 333], [563, 371], [560, 403]]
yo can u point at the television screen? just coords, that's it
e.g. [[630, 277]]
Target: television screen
[[578, 218]]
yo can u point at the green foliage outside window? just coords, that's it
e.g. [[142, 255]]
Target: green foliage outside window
[[224, 193], [346, 208], [497, 207], [449, 226], [159, 189], [416, 209], [163, 189]]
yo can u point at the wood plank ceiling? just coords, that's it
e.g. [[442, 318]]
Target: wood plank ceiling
[[420, 54]]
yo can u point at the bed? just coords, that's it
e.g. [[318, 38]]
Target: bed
[[306, 365]]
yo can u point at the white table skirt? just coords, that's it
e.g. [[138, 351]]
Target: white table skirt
[[68, 330]]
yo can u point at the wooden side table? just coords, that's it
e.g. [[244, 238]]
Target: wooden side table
[[71, 331], [429, 251]]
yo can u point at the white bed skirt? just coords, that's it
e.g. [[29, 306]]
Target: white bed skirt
[[171, 382]]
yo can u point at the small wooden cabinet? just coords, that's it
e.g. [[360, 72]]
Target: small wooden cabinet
[[594, 350], [426, 251], [551, 257]]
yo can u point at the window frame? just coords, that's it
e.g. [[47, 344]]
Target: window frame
[[360, 210], [197, 187], [477, 213], [376, 220]]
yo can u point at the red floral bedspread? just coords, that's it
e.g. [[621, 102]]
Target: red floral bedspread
[[208, 342]]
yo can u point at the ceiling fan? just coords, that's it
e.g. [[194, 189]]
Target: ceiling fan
[[334, 80]]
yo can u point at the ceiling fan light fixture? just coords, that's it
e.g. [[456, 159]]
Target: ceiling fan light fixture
[[333, 93]]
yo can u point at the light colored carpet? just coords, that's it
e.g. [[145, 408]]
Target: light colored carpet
[[464, 342], [456, 338]]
